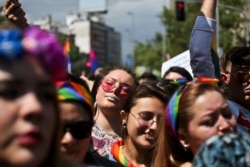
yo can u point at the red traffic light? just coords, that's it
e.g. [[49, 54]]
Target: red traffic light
[[180, 5], [180, 13]]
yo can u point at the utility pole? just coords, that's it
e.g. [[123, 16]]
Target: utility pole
[[163, 37], [132, 36], [217, 15]]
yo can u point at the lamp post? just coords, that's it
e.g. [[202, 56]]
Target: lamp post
[[132, 34], [164, 33], [217, 26], [132, 25]]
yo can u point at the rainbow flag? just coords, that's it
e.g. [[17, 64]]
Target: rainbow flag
[[66, 50], [66, 47], [92, 62]]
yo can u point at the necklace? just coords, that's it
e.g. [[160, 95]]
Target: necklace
[[119, 156]]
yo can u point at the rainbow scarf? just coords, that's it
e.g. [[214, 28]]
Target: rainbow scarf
[[68, 90], [119, 156], [172, 109]]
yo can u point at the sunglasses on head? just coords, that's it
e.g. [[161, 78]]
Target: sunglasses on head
[[79, 130], [109, 84]]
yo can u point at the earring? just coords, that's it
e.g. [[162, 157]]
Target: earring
[[95, 105], [186, 146], [221, 128], [124, 126]]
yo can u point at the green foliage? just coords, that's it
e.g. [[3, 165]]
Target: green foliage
[[232, 24], [150, 54], [2, 18], [177, 34]]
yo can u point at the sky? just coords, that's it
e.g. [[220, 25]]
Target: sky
[[141, 24]]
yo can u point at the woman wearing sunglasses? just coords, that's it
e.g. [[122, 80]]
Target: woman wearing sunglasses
[[111, 90], [76, 107], [195, 112], [140, 118], [29, 115]]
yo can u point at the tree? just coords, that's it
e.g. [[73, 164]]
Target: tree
[[232, 25], [149, 53], [177, 36]]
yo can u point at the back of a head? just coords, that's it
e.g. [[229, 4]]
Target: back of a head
[[180, 70], [228, 150], [147, 77]]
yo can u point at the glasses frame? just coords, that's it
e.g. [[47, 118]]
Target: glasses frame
[[149, 122], [124, 89]]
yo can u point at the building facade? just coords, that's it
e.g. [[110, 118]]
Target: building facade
[[90, 32]]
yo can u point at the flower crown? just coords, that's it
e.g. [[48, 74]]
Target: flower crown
[[172, 109], [37, 43]]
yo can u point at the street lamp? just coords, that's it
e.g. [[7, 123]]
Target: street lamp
[[128, 39], [132, 33], [132, 25], [163, 37]]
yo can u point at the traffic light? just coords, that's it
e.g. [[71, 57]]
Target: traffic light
[[180, 13]]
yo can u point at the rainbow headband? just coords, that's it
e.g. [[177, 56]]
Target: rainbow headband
[[71, 91], [172, 109]]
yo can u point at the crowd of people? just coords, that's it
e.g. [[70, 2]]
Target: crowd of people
[[49, 117]]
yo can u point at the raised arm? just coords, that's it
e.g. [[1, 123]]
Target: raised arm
[[14, 12], [208, 8], [202, 60]]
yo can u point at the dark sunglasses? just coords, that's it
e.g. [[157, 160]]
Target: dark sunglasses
[[79, 130]]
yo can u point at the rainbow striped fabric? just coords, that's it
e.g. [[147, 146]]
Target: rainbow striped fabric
[[68, 90], [119, 156]]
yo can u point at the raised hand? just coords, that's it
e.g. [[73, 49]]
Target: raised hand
[[14, 12]]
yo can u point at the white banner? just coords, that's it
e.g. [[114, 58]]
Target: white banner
[[182, 60]]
